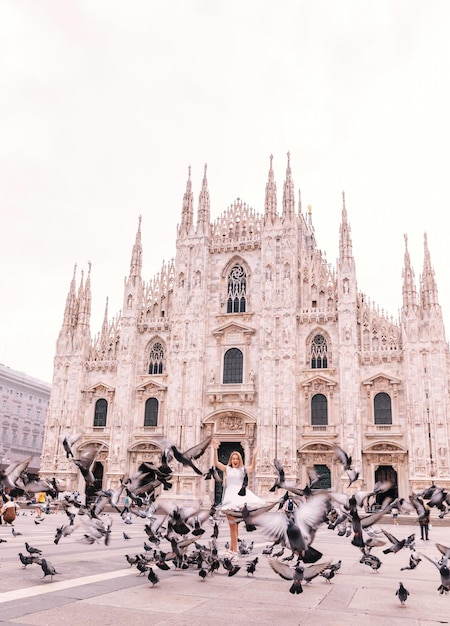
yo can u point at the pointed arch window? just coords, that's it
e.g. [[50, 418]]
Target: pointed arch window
[[319, 410], [101, 410], [233, 361], [237, 290], [151, 412], [382, 409], [156, 359], [319, 352]]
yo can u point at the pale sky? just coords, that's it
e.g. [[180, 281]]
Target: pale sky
[[105, 104]]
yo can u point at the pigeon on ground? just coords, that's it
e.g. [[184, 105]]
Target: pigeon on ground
[[132, 560], [28, 560], [153, 577], [230, 567], [402, 594], [251, 566], [32, 550], [328, 574], [48, 569]]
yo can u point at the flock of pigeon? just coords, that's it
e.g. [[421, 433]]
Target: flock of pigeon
[[175, 534]]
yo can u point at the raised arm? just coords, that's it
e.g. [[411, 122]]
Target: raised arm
[[251, 468], [215, 445]]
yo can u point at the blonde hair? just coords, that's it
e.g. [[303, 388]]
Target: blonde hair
[[241, 462]]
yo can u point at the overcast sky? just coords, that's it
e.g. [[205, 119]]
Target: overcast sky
[[105, 104]]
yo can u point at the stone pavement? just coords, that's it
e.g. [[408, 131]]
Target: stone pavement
[[95, 585]]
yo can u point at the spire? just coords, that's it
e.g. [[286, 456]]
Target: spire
[[409, 283], [187, 213], [428, 289], [270, 203], [136, 255], [71, 308], [85, 304], [105, 327], [288, 192], [84, 299], [345, 240], [81, 289], [299, 202], [203, 217]]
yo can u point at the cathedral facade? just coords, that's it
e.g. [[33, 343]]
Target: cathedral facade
[[250, 335]]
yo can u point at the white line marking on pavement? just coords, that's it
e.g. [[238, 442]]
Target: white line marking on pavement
[[29, 592]]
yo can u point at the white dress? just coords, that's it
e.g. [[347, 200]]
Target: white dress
[[233, 482]]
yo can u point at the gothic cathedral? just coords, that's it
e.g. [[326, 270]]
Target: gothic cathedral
[[249, 334]]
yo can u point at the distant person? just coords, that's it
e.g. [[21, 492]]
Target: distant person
[[424, 521], [9, 511], [41, 504], [395, 515]]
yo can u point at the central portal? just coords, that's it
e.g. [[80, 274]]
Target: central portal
[[224, 453]]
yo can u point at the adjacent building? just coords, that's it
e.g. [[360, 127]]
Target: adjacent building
[[23, 408], [251, 335]]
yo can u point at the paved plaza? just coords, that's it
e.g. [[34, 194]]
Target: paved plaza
[[95, 584]]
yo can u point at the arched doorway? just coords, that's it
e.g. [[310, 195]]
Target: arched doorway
[[323, 476], [386, 473], [91, 490], [320, 457], [224, 451]]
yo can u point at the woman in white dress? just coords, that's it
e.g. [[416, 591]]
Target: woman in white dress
[[234, 473]]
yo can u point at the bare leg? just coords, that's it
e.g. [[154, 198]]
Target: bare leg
[[234, 530]]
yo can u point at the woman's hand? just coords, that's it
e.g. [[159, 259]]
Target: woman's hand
[[215, 444]]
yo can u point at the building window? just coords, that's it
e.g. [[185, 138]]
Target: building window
[[382, 409], [237, 289], [319, 410], [34, 441], [319, 358], [151, 412], [156, 359], [232, 366], [101, 409]]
